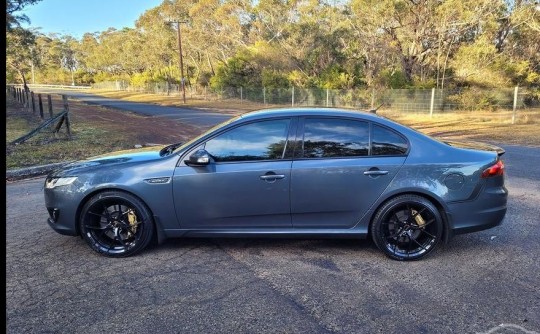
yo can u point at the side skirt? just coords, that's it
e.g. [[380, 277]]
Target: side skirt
[[269, 233]]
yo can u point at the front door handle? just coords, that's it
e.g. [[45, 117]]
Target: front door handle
[[375, 172], [272, 177]]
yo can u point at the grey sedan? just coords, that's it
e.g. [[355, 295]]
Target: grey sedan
[[321, 173]]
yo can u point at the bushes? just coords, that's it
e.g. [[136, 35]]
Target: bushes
[[478, 99]]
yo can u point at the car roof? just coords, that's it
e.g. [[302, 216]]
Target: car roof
[[306, 111]]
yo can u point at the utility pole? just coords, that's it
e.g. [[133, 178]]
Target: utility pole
[[182, 79]]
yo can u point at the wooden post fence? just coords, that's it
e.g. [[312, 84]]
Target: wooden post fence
[[50, 105], [66, 109], [62, 117], [40, 102], [33, 102], [27, 100]]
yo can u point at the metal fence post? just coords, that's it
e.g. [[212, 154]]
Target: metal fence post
[[292, 99], [515, 105], [327, 97], [432, 102], [241, 94], [264, 95]]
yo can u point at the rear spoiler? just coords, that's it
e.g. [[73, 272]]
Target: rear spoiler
[[477, 146]]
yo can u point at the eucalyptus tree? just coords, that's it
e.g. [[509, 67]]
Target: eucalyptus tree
[[423, 35], [19, 52], [216, 31], [13, 16], [158, 48]]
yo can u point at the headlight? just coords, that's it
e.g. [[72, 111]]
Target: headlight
[[59, 181]]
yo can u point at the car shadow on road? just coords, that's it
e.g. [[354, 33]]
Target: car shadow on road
[[273, 244]]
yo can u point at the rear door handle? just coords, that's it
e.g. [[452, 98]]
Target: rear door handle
[[272, 177], [375, 172]]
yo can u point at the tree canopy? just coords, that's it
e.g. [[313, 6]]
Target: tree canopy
[[335, 44]]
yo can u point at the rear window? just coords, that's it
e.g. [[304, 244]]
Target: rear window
[[387, 142]]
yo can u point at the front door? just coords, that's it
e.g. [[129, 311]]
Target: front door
[[246, 185]]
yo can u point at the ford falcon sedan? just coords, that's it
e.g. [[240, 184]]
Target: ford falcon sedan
[[300, 172]]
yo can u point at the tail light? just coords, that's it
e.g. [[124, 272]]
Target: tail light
[[496, 170]]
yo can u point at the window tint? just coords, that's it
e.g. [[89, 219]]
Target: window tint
[[256, 141], [325, 138], [386, 142]]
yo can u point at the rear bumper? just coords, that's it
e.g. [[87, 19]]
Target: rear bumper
[[486, 211]]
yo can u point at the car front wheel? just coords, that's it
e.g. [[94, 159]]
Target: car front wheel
[[407, 227], [116, 224]]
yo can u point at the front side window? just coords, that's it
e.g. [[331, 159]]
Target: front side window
[[387, 142], [334, 138], [255, 141]]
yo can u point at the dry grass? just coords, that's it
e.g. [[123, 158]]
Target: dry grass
[[494, 127]]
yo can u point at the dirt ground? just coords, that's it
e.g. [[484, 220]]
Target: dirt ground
[[142, 129]]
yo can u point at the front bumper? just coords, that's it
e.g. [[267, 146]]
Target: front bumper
[[62, 207], [62, 229]]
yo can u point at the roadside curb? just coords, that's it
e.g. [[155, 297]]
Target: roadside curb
[[25, 173]]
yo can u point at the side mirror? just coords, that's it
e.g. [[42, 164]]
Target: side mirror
[[198, 158]]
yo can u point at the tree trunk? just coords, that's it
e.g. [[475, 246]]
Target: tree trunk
[[408, 65], [21, 73], [210, 64]]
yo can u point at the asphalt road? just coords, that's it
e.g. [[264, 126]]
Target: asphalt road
[[192, 116], [56, 284]]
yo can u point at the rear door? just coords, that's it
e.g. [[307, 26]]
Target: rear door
[[341, 167]]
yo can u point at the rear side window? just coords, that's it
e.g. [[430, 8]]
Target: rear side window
[[387, 142], [331, 138]]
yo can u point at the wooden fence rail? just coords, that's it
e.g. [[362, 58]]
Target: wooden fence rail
[[27, 98]]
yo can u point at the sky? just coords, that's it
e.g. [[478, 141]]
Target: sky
[[76, 17]]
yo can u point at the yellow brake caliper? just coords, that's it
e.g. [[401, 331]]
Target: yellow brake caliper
[[418, 218], [132, 219]]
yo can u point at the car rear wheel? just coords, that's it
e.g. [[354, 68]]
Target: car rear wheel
[[116, 224], [407, 227]]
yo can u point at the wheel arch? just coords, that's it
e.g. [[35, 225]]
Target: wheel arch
[[158, 234]]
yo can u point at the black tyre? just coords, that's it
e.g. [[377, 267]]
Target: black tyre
[[407, 227], [116, 224]]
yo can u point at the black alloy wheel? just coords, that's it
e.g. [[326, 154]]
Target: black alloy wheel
[[116, 224], [407, 227]]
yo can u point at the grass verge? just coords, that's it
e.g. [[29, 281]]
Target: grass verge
[[95, 130]]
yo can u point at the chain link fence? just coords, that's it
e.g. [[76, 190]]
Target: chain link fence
[[399, 100]]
